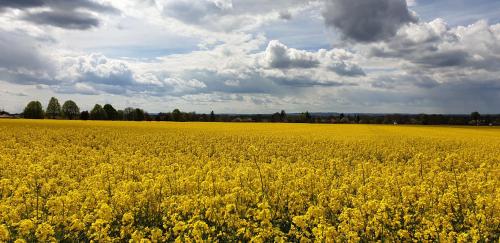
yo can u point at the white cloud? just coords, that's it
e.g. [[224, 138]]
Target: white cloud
[[434, 45], [230, 15], [411, 3], [340, 61], [277, 55]]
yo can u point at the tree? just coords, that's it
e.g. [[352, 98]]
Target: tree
[[308, 116], [2, 112], [53, 108], [212, 116], [84, 115], [119, 115], [176, 115], [475, 116], [283, 116], [305, 117], [129, 114], [111, 113], [33, 110], [98, 113], [345, 119], [138, 115], [70, 110], [163, 116], [276, 117]]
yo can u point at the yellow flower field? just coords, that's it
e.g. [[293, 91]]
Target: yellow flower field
[[121, 181]]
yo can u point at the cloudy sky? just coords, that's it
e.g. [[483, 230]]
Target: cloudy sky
[[253, 56]]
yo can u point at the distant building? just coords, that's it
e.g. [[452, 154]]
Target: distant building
[[5, 116]]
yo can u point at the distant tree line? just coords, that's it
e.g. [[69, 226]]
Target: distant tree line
[[394, 119], [70, 110], [2, 112]]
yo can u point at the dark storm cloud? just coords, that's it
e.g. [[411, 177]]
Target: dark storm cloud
[[81, 4], [22, 61], [62, 19], [19, 51], [367, 20], [62, 13], [20, 4], [57, 4], [448, 58]]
